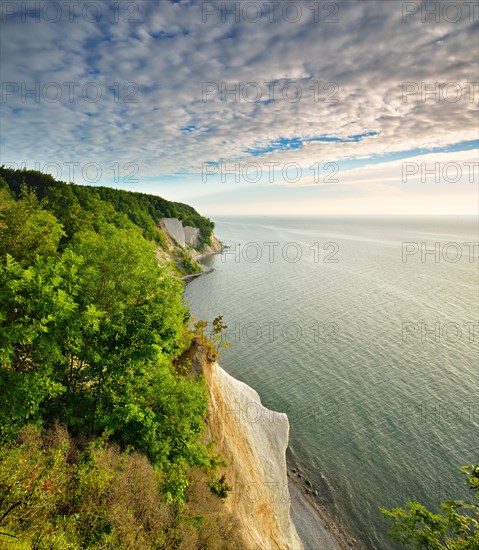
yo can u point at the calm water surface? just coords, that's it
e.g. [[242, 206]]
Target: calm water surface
[[372, 354]]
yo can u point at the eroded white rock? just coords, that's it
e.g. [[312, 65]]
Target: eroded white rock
[[175, 229], [253, 440]]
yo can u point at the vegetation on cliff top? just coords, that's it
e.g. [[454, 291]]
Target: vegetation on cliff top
[[94, 417], [81, 206]]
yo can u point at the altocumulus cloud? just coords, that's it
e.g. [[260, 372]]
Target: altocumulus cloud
[[179, 89]]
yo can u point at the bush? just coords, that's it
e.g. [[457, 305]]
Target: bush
[[455, 527], [56, 493]]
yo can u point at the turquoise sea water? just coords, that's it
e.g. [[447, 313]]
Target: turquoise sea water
[[369, 346]]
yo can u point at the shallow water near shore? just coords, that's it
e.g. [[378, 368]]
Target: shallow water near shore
[[369, 346]]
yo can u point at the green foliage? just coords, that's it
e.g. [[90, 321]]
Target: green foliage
[[90, 328], [89, 336], [4, 185], [423, 529], [26, 229], [217, 334], [188, 265], [219, 486], [54, 494], [80, 207], [36, 304], [214, 341]]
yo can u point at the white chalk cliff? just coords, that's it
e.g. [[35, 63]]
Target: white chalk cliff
[[175, 229], [253, 440], [188, 237]]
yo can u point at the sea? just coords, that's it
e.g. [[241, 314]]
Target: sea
[[365, 332]]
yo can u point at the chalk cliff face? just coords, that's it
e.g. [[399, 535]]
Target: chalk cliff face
[[192, 236], [253, 441], [175, 229], [187, 235]]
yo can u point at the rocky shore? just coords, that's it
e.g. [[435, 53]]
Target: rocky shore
[[275, 508], [216, 247], [309, 514]]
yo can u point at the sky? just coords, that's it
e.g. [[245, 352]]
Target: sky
[[255, 107]]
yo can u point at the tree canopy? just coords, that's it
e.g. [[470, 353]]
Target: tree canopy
[[455, 527], [81, 207], [90, 325]]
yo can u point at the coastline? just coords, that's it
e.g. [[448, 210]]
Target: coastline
[[204, 268], [315, 530]]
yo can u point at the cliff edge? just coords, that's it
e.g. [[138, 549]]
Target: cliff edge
[[188, 237], [253, 441]]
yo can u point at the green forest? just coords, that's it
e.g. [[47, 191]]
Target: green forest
[[100, 433], [101, 424], [79, 206]]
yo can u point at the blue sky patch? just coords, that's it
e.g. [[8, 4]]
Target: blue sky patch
[[290, 144]]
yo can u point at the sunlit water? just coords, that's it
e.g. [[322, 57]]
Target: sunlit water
[[372, 354]]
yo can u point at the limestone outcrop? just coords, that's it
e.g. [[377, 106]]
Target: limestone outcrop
[[175, 229], [253, 441], [187, 235]]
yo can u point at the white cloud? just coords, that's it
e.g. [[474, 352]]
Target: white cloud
[[451, 168], [170, 52]]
